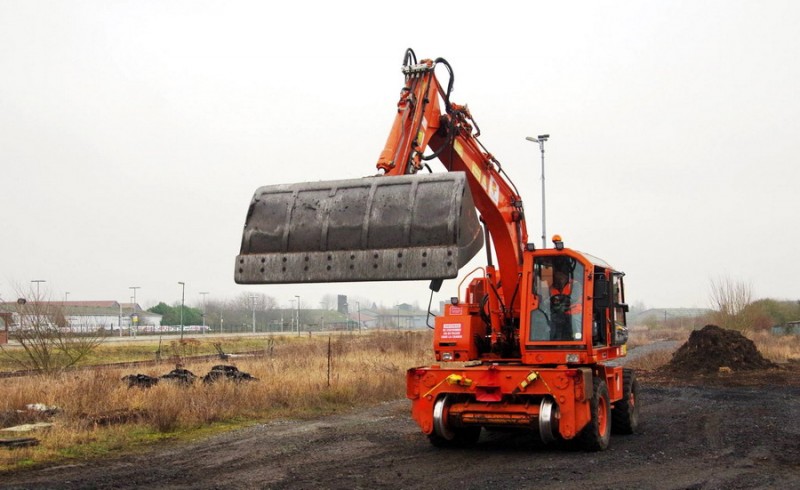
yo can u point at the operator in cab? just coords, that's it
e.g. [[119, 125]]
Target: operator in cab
[[565, 301]]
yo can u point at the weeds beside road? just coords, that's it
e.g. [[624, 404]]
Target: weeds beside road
[[98, 414]]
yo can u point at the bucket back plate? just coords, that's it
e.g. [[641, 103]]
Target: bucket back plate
[[370, 229]]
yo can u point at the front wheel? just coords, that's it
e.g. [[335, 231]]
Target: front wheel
[[444, 435], [597, 433]]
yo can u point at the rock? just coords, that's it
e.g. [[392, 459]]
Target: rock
[[140, 380], [227, 372], [180, 375]]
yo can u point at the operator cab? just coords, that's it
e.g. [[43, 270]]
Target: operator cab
[[576, 308], [558, 284]]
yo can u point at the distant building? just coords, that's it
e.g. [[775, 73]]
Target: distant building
[[6, 320], [402, 317], [83, 316]]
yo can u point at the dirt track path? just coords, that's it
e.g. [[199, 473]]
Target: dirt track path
[[691, 437]]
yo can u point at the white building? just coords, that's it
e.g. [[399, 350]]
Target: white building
[[83, 316]]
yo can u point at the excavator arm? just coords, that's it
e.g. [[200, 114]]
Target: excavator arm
[[452, 135], [400, 225]]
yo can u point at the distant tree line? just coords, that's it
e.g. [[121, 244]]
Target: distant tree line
[[171, 315]]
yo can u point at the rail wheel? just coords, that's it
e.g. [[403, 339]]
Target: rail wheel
[[597, 433], [625, 415], [444, 435], [548, 420]]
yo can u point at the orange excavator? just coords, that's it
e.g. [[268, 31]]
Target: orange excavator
[[526, 342]]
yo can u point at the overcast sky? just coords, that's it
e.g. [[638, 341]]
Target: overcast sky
[[133, 134]]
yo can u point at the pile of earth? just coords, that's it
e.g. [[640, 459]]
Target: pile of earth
[[713, 349]]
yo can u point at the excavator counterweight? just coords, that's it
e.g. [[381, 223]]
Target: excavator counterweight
[[406, 227]]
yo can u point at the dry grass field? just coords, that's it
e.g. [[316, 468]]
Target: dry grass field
[[97, 413]]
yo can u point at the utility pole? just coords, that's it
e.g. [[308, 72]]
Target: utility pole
[[183, 297], [358, 306], [38, 282], [134, 318], [298, 314], [540, 140], [203, 294], [253, 299]]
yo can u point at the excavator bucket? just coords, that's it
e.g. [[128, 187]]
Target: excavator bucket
[[370, 229]]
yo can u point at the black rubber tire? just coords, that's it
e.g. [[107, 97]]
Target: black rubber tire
[[625, 414], [597, 433]]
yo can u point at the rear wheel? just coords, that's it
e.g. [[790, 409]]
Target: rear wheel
[[444, 435], [625, 415], [597, 433]]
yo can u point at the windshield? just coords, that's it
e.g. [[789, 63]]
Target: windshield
[[558, 287]]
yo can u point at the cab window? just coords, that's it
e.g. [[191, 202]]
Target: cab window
[[558, 287]]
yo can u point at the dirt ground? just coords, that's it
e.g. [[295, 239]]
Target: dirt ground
[[729, 430]]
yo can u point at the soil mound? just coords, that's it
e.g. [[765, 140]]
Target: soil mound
[[712, 348]]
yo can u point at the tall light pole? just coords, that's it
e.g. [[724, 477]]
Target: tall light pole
[[541, 139], [253, 299], [292, 316], [358, 307], [298, 314], [183, 297], [134, 319], [203, 294], [38, 282]]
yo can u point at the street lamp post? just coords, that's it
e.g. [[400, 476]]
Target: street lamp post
[[358, 307], [292, 315], [203, 294], [38, 282], [183, 297], [134, 319], [253, 299], [298, 314], [540, 140]]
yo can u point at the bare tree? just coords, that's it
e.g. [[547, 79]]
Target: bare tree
[[47, 339], [731, 300]]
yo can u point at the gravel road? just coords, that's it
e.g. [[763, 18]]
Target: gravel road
[[699, 434]]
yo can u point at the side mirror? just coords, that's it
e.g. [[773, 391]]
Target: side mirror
[[601, 296], [436, 285]]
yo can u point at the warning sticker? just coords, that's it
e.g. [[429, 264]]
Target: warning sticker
[[494, 191], [451, 331]]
